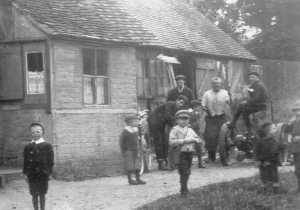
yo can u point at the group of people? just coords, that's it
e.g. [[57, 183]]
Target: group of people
[[176, 125], [176, 131]]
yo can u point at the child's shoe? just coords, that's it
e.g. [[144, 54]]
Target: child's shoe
[[138, 178]]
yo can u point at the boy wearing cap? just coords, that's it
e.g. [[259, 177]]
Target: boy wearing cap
[[38, 164], [183, 137], [181, 89], [130, 149], [256, 102], [293, 128], [195, 123], [267, 153]]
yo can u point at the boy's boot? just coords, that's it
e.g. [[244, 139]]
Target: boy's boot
[[42, 201], [200, 162], [130, 180], [138, 178], [35, 202], [183, 183]]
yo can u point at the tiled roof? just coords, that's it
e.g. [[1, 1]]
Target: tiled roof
[[164, 23]]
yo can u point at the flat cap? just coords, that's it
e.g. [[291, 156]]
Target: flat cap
[[180, 77], [183, 113], [130, 118]]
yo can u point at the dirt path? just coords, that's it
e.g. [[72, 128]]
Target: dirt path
[[114, 192]]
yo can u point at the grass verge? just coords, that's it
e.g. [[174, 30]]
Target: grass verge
[[241, 194]]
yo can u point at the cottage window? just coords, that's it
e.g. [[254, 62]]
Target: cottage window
[[35, 73], [95, 76]]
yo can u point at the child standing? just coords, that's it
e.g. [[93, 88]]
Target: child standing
[[293, 128], [267, 153], [38, 164], [130, 148], [183, 136]]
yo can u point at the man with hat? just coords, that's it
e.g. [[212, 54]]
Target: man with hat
[[256, 102], [160, 121], [293, 128], [181, 89], [216, 104], [184, 139]]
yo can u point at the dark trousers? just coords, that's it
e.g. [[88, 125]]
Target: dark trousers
[[269, 174], [184, 169], [211, 134], [245, 110], [161, 143], [38, 188]]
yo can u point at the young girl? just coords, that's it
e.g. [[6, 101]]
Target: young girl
[[38, 164], [183, 137], [129, 143]]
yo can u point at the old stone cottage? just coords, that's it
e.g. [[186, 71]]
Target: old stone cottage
[[79, 66]]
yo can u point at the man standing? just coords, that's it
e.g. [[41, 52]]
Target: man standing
[[181, 89], [160, 121], [216, 104], [256, 102]]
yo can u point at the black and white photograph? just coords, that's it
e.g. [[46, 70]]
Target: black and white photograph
[[149, 104]]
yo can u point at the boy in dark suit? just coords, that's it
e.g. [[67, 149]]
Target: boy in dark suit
[[267, 153], [130, 149], [38, 164]]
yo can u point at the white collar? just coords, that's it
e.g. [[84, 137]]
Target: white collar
[[182, 129], [40, 140], [131, 129], [180, 89]]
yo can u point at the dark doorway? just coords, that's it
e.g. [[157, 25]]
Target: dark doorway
[[187, 68]]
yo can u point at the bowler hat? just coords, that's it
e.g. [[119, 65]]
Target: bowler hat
[[183, 114]]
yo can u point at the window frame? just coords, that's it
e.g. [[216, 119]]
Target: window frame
[[94, 76], [27, 71]]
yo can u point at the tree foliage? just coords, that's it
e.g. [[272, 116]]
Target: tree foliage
[[268, 28]]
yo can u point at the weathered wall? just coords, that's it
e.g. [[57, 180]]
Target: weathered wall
[[15, 129], [86, 137]]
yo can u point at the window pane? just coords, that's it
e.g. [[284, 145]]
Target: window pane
[[35, 73], [88, 90], [35, 62], [102, 91], [88, 56], [102, 61]]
